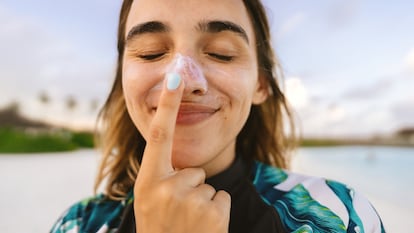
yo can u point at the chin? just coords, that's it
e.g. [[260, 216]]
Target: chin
[[187, 158]]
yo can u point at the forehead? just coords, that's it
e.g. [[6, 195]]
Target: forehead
[[182, 14]]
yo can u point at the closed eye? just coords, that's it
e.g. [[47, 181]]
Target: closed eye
[[221, 57], [150, 57]]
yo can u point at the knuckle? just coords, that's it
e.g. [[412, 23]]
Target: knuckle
[[224, 195], [209, 189], [201, 172], [166, 192], [195, 172], [200, 198], [158, 134], [143, 205]]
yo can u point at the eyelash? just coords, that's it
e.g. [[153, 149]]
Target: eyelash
[[155, 56], [220, 57], [151, 57]]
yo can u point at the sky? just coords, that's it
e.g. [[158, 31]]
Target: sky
[[348, 64]]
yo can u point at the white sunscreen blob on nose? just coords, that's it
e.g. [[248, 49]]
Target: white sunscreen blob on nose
[[189, 70], [177, 64]]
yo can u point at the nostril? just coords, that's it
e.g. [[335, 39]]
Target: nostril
[[198, 92], [195, 88]]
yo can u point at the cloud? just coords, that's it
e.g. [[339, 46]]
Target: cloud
[[371, 91], [321, 120], [342, 120], [296, 92], [403, 111], [35, 59], [409, 60], [335, 113]]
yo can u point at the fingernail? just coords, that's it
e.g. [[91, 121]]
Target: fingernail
[[173, 81]]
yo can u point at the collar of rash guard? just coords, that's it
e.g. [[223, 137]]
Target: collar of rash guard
[[230, 177]]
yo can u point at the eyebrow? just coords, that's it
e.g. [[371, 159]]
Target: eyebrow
[[214, 26], [147, 27], [217, 26]]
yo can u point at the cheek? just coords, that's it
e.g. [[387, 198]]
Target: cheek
[[237, 83], [131, 79], [139, 86], [138, 81]]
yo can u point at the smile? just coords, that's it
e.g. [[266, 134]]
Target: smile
[[190, 113]]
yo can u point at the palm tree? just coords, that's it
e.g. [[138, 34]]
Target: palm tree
[[71, 103], [94, 105], [44, 98]]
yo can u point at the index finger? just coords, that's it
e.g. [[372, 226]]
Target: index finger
[[156, 160]]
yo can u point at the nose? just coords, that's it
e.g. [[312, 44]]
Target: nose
[[191, 73]]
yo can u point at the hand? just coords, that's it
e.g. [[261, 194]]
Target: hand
[[168, 200]]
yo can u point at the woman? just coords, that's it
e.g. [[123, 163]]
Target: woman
[[193, 137]]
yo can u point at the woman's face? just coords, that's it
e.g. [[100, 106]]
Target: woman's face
[[211, 45]]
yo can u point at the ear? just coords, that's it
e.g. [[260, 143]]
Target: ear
[[261, 91]]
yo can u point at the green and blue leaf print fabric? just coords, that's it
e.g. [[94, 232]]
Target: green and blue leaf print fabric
[[312, 204], [305, 204]]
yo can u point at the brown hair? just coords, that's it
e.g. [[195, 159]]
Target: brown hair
[[262, 138]]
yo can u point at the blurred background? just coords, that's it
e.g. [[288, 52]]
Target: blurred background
[[349, 74]]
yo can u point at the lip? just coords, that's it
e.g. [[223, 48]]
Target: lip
[[191, 113]]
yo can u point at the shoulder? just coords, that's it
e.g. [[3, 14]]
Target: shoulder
[[307, 202], [91, 215]]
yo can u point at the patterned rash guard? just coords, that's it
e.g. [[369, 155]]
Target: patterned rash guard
[[289, 202]]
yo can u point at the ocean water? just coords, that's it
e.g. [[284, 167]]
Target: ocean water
[[385, 175], [36, 188]]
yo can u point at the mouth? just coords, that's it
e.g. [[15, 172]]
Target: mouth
[[191, 113]]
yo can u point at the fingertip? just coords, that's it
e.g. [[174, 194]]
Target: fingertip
[[223, 196], [222, 201], [173, 80]]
